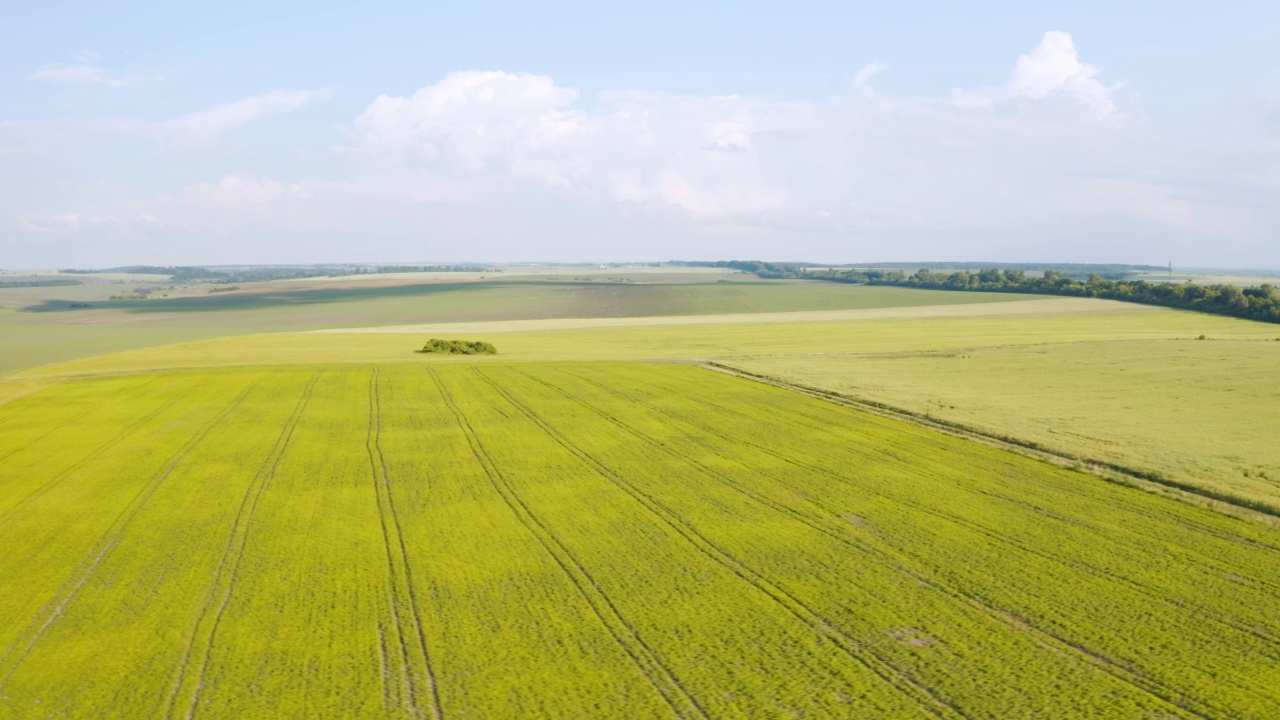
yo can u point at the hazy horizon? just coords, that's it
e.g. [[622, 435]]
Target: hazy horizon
[[308, 133]]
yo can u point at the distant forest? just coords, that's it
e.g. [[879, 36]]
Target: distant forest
[[1252, 303]]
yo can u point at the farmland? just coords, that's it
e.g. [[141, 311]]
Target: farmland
[[325, 523], [52, 324], [1199, 412], [1114, 382], [590, 539]]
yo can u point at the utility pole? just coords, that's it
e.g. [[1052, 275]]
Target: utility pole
[[1170, 271]]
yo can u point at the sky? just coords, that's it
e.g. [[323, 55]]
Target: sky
[[166, 133]]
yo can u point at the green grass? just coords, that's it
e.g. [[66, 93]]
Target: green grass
[[590, 540]]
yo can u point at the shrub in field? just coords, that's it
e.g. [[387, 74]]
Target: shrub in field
[[458, 347]]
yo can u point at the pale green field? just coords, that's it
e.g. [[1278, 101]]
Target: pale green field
[[1203, 413], [59, 333], [590, 540]]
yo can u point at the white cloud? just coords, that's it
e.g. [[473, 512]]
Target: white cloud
[[862, 80], [241, 191], [471, 132], [233, 202], [732, 135], [79, 73], [207, 125], [471, 119], [1054, 67], [490, 164], [1052, 70], [84, 68], [61, 222]]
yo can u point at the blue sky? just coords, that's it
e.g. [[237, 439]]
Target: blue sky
[[135, 132]]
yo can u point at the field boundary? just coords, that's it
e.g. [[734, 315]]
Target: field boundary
[[1140, 479]]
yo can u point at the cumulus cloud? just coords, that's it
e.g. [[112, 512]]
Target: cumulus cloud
[[207, 125], [475, 135], [689, 154], [1052, 70], [469, 119], [491, 155]]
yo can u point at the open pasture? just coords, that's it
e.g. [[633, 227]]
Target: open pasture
[[588, 540]]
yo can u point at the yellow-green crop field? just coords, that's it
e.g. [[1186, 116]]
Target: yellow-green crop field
[[609, 539], [1112, 382]]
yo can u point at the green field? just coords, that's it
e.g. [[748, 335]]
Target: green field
[[323, 523], [590, 540], [1201, 413], [1109, 381], [39, 325]]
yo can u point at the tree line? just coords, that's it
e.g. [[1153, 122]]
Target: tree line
[[1252, 303]]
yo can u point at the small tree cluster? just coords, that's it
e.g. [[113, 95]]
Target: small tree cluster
[[458, 347]]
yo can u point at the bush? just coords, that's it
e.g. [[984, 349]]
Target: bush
[[458, 347]]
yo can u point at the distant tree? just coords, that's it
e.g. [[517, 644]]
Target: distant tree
[[458, 347]]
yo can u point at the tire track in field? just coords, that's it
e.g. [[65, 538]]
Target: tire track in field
[[66, 423], [646, 659], [1119, 581], [384, 667], [1153, 593], [93, 455], [900, 560], [928, 701], [973, 434], [405, 615], [84, 570], [206, 629], [1199, 558]]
